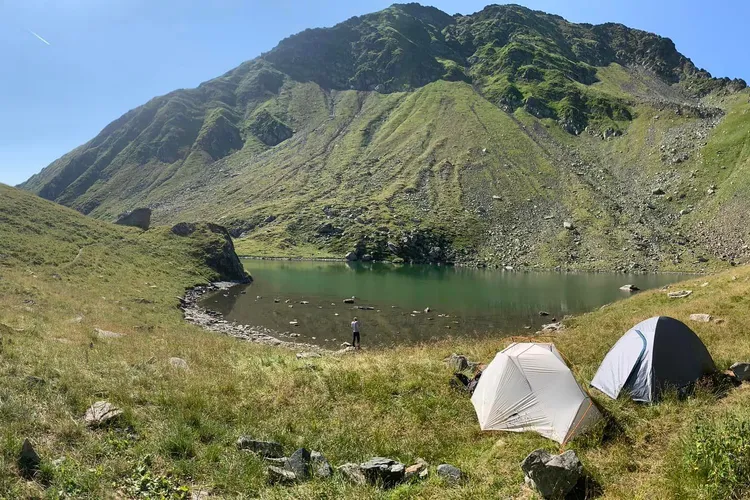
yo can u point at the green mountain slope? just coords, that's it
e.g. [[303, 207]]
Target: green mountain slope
[[411, 134]]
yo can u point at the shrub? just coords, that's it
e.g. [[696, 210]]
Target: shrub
[[714, 459]]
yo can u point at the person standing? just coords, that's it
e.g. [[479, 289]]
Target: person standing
[[355, 332]]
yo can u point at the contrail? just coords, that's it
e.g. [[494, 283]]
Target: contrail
[[40, 38]]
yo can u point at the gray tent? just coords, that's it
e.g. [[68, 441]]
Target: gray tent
[[654, 355]]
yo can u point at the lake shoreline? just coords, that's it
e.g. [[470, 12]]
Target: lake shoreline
[[473, 265]]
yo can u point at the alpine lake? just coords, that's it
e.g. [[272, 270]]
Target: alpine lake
[[408, 304]]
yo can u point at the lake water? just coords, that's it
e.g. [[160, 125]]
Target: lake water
[[462, 301]]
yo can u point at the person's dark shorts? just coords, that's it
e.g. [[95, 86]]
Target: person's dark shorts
[[355, 338]]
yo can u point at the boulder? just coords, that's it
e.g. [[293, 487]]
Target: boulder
[[178, 363], [351, 256], [383, 471], [184, 229], [415, 471], [277, 475], [629, 288], [553, 476], [270, 449], [299, 464], [353, 473], [568, 225], [553, 327], [104, 334], [140, 217], [102, 413], [741, 371], [348, 301], [28, 460], [449, 472], [681, 294], [321, 468], [367, 258], [701, 318], [457, 362], [657, 191]]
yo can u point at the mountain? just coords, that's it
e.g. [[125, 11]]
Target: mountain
[[508, 137]]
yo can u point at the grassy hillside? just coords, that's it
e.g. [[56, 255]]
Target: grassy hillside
[[179, 427], [467, 138]]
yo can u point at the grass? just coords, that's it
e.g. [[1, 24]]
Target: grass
[[179, 427]]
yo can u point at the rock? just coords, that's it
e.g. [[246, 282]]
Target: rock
[[308, 355], [392, 247], [348, 301], [543, 313], [552, 327], [299, 464], [178, 363], [140, 217], [457, 362], [367, 258], [351, 256], [449, 472], [701, 318], [681, 294], [554, 476], [267, 449], [184, 229], [496, 197], [277, 475], [629, 288], [294, 323], [741, 371], [28, 460], [414, 471], [657, 191], [353, 473], [321, 468], [104, 334], [568, 225], [327, 229], [383, 471], [102, 413]]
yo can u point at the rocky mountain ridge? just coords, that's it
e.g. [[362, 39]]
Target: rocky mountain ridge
[[412, 134]]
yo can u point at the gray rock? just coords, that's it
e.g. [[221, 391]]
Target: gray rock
[[679, 294], [351, 256], [299, 464], [629, 288], [383, 471], [657, 191], [348, 301], [178, 363], [104, 334], [449, 472], [457, 362], [102, 413], [553, 476], [269, 449], [568, 225], [701, 318], [28, 460], [367, 258], [184, 229], [741, 371], [277, 475], [392, 247], [140, 217], [353, 473], [321, 468]]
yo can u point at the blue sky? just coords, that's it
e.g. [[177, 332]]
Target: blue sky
[[106, 57]]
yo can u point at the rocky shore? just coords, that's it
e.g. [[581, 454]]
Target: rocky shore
[[215, 322]]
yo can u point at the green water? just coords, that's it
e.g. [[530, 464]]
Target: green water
[[462, 301]]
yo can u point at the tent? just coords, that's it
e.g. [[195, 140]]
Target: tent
[[658, 353], [528, 387]]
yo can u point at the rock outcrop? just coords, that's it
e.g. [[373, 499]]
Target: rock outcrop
[[140, 217]]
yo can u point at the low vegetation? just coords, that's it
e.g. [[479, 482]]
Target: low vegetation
[[63, 275]]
